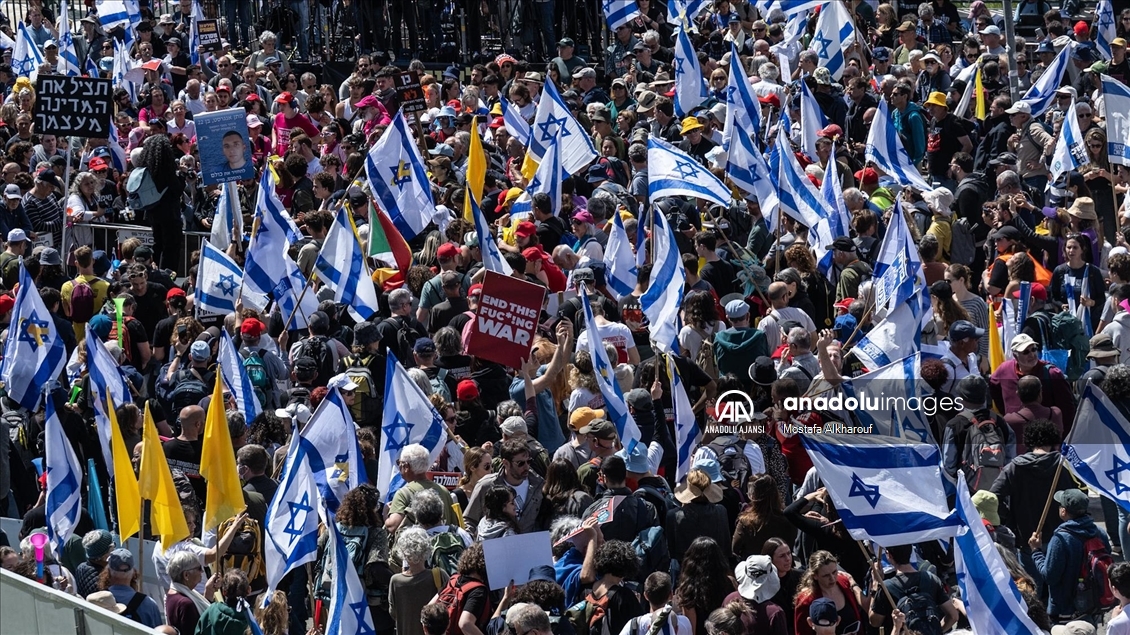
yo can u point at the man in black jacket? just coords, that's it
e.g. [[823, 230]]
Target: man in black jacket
[[633, 514], [997, 128]]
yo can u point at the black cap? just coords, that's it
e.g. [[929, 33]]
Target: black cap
[[843, 243], [1009, 232], [319, 322], [964, 329]]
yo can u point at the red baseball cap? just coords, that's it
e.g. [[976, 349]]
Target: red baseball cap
[[251, 328], [867, 176], [1039, 291], [174, 292], [467, 390], [497, 123], [447, 251], [831, 131], [6, 304], [770, 99], [526, 229], [534, 253], [98, 163], [253, 97], [285, 97], [476, 289]]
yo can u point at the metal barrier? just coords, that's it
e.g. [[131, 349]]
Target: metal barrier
[[30, 607], [109, 238]]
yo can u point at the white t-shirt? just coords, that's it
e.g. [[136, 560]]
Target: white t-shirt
[[584, 397], [691, 340], [521, 495], [1120, 625], [615, 333], [680, 623]]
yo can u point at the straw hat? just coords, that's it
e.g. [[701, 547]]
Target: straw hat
[[1083, 208], [698, 485]]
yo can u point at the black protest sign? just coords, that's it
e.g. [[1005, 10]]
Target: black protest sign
[[79, 106], [410, 92], [209, 32]]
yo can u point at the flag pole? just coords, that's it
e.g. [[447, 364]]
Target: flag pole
[[737, 250], [867, 555], [1051, 495]]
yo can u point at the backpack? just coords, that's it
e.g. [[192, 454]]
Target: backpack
[[257, 373], [919, 608], [1092, 593], [82, 302], [590, 616], [705, 357], [963, 246], [452, 597], [650, 545], [127, 346], [735, 466], [366, 406], [1068, 333], [406, 337], [984, 456], [245, 552], [447, 547], [439, 385], [298, 394], [317, 348], [662, 499], [130, 612], [23, 435], [141, 192], [188, 389]]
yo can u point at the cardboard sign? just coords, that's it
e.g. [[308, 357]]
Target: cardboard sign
[[410, 92], [79, 106], [450, 480], [209, 32], [511, 557], [506, 320], [602, 514]]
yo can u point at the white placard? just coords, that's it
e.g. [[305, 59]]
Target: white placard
[[511, 557]]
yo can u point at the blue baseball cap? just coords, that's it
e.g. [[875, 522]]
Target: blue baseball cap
[[712, 468]]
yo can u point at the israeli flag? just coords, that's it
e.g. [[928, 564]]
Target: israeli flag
[[68, 59], [34, 355], [884, 149], [293, 304], [126, 72], [619, 12], [408, 418], [747, 169], [885, 489], [341, 266], [899, 380], [265, 263], [194, 33], [641, 240], [690, 85], [236, 379], [1116, 110], [681, 11], [26, 57], [888, 341], [291, 538], [898, 267], [812, 121], [329, 441], [117, 153], [664, 295], [397, 177], [1041, 95], [92, 69], [993, 604], [832, 193], [687, 433], [547, 180], [743, 111], [619, 260], [799, 197], [791, 7], [614, 403], [6, 42], [492, 255], [835, 33], [1098, 448], [228, 220], [218, 279], [349, 607], [1105, 31], [115, 13], [106, 380], [672, 172], [518, 127], [553, 123], [64, 481], [1070, 148]]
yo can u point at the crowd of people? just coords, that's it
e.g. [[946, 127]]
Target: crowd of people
[[749, 541]]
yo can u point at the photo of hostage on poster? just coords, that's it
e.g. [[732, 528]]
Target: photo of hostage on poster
[[225, 152]]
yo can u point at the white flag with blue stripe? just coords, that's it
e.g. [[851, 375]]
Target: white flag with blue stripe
[[614, 404], [341, 267], [664, 297], [1070, 147], [743, 111], [194, 33], [105, 380], [228, 220], [1116, 105], [992, 601], [888, 340], [799, 197], [1041, 95], [64, 481], [126, 73], [672, 172], [898, 276], [91, 69], [835, 33], [492, 255], [831, 191], [218, 279], [329, 441], [349, 612], [547, 180], [268, 270], [408, 418], [117, 152], [1098, 448], [885, 489], [515, 124], [812, 121], [399, 181], [747, 169], [885, 149], [236, 379], [1105, 31], [619, 261], [115, 13], [554, 123], [68, 59], [619, 12], [690, 85], [26, 57], [680, 11], [34, 354], [291, 536], [687, 433], [900, 381]]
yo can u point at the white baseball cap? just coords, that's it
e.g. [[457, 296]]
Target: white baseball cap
[[294, 411], [17, 235], [341, 382], [12, 191]]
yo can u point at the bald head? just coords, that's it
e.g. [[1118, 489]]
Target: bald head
[[191, 422], [779, 294]]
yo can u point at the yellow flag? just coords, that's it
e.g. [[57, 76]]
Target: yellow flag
[[982, 109], [476, 169], [125, 482], [996, 351], [529, 166], [217, 464], [156, 484]]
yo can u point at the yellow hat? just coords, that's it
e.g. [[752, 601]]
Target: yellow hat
[[496, 109], [690, 123], [937, 99]]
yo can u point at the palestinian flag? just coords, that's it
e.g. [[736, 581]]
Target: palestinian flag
[[387, 245]]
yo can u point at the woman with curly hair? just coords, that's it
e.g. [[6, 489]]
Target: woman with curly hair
[[470, 582], [763, 520], [584, 391], [704, 582], [700, 322], [615, 561], [562, 493], [799, 257], [359, 522], [274, 619], [823, 579], [166, 216]]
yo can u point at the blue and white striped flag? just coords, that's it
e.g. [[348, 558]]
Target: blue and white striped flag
[[228, 220], [885, 489], [68, 59], [288, 294], [553, 123], [672, 172], [518, 127], [747, 169], [1070, 147], [265, 262], [619, 260], [408, 418], [106, 380], [492, 255], [690, 85], [547, 180], [686, 430], [680, 11], [641, 239], [835, 33], [115, 13], [218, 279], [194, 33], [118, 157], [126, 73], [888, 341], [885, 149], [329, 441], [341, 267], [236, 379], [91, 69], [291, 537], [898, 276], [799, 197], [900, 381], [64, 481], [614, 404], [399, 181], [664, 297], [26, 57], [1041, 95], [1116, 103], [1105, 31], [34, 354], [992, 602], [812, 121], [743, 111], [349, 612], [1098, 448], [619, 12], [832, 192]]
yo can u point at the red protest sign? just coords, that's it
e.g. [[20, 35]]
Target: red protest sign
[[507, 318]]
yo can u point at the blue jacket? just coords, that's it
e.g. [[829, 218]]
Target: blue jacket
[[1059, 566]]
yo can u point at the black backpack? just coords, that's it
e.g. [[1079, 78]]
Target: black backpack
[[919, 608], [317, 348], [406, 336], [735, 466], [983, 457], [189, 388]]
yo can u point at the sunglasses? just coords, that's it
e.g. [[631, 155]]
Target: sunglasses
[[521, 463]]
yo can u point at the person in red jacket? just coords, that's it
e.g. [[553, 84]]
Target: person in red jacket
[[1026, 361]]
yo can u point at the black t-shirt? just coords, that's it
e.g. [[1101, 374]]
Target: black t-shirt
[[163, 333], [151, 307], [459, 321], [550, 232], [476, 601], [720, 274], [137, 335], [631, 311], [445, 311], [998, 277], [926, 582], [185, 456], [942, 143], [458, 366]]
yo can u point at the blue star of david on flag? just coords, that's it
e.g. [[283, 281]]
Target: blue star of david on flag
[[548, 132], [395, 440], [34, 331], [870, 493], [360, 612], [687, 169], [293, 526], [401, 174], [227, 284], [821, 44], [1119, 467]]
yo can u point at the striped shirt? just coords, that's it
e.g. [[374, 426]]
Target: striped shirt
[[46, 215]]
